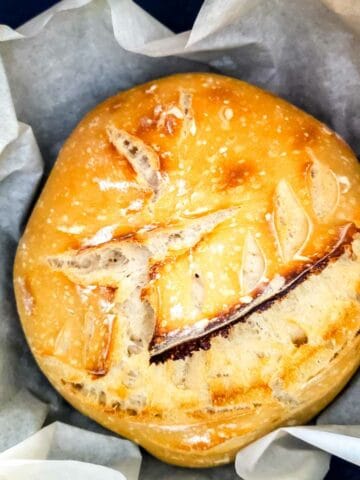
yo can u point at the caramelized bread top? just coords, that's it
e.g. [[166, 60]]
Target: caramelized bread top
[[199, 194], [193, 262]]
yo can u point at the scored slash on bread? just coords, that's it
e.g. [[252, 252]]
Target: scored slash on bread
[[120, 265], [324, 186], [127, 260], [162, 240], [292, 225], [253, 265], [141, 157]]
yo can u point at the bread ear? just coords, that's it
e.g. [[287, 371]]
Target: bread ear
[[119, 264], [141, 157], [161, 241], [292, 224], [253, 265], [324, 188]]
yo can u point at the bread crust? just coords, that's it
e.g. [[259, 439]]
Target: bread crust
[[166, 443], [173, 207]]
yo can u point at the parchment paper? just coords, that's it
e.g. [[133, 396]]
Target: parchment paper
[[63, 63]]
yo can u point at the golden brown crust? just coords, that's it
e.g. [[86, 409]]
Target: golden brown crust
[[171, 207]]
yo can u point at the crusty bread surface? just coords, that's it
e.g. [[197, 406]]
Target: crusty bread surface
[[190, 275]]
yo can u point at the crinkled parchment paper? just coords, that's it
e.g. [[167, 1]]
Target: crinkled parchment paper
[[63, 63]]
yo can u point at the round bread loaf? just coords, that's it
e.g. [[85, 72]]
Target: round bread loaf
[[190, 275]]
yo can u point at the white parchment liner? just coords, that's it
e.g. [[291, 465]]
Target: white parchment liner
[[57, 67]]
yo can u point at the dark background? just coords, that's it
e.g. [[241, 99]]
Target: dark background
[[178, 15]]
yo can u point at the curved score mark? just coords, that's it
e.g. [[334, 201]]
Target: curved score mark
[[292, 224]]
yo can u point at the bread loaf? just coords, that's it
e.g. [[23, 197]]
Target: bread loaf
[[190, 275]]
